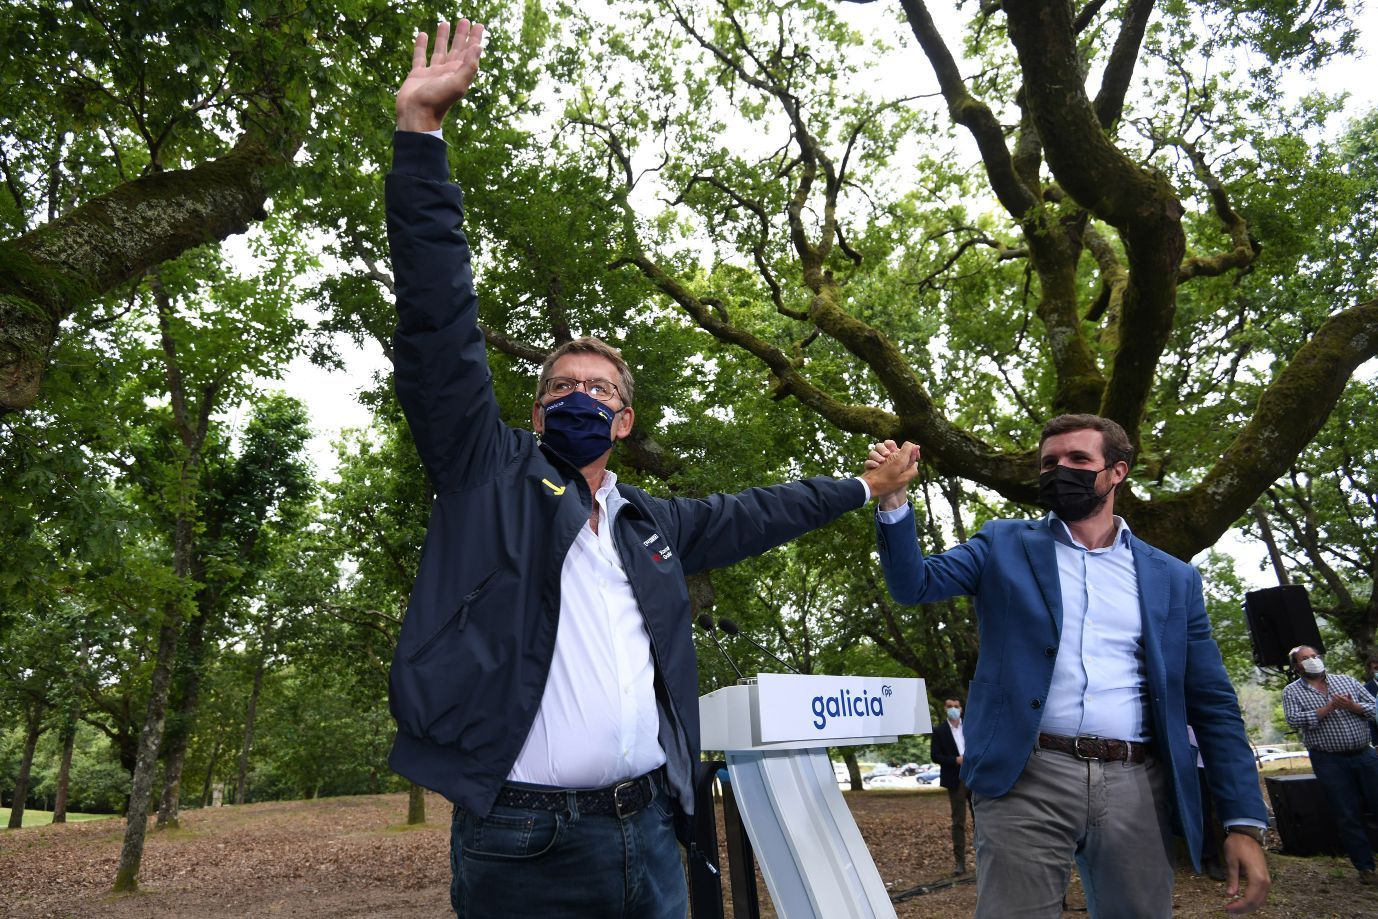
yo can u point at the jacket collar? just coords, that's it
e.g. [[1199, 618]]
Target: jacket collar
[[1040, 546]]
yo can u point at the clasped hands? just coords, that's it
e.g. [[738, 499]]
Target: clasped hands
[[1344, 701], [889, 470]]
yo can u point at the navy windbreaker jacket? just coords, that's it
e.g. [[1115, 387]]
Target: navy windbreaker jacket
[[471, 662]]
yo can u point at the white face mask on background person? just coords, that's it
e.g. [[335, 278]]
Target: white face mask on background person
[[954, 713], [1313, 666]]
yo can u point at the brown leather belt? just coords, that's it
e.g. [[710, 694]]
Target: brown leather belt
[[620, 800], [1100, 748]]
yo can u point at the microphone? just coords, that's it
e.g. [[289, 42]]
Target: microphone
[[730, 627], [706, 623]]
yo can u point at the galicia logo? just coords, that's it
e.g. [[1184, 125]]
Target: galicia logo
[[847, 705]]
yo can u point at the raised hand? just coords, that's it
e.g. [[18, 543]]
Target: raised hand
[[879, 451], [430, 89]]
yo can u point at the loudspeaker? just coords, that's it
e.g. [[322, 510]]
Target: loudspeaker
[[1279, 619], [1303, 817], [1302, 814]]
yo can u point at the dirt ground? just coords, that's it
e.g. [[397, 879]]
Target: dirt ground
[[350, 857]]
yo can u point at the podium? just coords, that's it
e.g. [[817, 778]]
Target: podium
[[774, 732]]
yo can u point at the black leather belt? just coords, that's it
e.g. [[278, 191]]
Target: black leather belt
[[1104, 749], [620, 800]]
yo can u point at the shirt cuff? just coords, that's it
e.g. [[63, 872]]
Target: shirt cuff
[[866, 489], [896, 515], [1244, 821]]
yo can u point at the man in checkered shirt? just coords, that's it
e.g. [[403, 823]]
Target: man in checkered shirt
[[1333, 712]]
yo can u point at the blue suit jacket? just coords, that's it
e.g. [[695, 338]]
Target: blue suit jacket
[[1010, 569]]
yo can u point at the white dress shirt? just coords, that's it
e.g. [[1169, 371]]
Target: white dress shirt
[[598, 722]]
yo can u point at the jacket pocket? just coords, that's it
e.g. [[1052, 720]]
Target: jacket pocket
[[457, 619], [984, 711]]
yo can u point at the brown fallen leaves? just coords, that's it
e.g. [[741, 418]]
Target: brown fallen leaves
[[350, 857]]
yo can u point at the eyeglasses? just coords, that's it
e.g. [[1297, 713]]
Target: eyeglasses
[[597, 388]]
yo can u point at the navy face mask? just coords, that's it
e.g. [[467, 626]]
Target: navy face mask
[[1071, 493], [578, 427]]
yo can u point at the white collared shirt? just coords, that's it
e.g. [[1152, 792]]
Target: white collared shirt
[[959, 736], [598, 722]]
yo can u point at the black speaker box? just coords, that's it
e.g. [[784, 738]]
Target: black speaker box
[[1304, 821], [1279, 619], [1302, 813]]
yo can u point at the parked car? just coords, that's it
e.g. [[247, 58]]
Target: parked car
[[891, 780], [928, 774], [1285, 757]]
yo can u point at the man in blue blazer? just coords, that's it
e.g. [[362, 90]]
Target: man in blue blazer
[[1095, 655]]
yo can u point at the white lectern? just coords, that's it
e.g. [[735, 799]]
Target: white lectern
[[775, 732]]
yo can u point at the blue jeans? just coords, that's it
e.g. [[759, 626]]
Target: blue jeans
[[517, 863], [1350, 781]]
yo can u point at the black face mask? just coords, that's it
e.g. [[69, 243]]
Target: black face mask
[[1071, 493]]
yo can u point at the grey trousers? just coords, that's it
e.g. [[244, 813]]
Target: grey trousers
[[1112, 818]]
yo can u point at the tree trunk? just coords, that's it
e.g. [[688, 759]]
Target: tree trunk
[[178, 732], [21, 785], [853, 767], [150, 739], [210, 774], [416, 805], [241, 784], [1265, 530], [64, 772]]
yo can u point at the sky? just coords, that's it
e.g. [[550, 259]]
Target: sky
[[331, 395]]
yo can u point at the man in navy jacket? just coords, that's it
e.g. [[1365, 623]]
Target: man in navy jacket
[[544, 679], [1095, 655]]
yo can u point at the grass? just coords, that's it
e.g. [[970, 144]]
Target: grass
[[43, 818]]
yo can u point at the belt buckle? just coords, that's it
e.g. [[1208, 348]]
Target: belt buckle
[[1076, 748], [617, 797]]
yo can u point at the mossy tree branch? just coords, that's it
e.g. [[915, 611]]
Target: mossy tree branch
[[1136, 201], [48, 273], [1053, 235], [1289, 414]]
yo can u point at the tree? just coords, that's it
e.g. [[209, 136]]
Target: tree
[[376, 514], [1118, 261], [1319, 519], [117, 158], [33, 728], [254, 498]]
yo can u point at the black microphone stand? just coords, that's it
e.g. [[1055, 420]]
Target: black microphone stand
[[731, 628]]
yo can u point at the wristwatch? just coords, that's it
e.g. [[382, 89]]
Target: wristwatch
[[1253, 832]]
